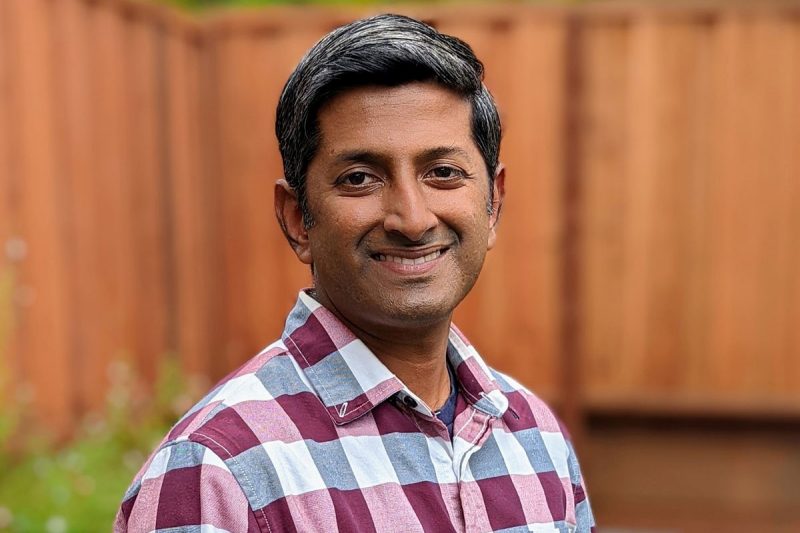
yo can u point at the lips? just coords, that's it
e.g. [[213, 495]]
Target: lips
[[410, 260]]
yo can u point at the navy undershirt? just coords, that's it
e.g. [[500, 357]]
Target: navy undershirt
[[447, 414]]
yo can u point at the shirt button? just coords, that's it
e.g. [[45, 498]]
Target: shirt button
[[409, 401]]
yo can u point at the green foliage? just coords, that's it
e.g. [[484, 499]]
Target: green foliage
[[78, 486]]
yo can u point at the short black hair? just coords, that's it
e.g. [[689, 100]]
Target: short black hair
[[388, 50]]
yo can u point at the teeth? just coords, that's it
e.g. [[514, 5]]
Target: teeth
[[407, 261]]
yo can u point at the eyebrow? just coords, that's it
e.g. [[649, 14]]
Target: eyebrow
[[377, 158], [443, 151]]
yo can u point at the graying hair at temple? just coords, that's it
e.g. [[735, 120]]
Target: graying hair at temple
[[387, 50]]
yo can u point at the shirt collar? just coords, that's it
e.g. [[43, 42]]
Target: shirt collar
[[350, 380]]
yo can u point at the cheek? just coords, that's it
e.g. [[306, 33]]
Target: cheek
[[350, 214], [468, 204], [475, 236], [471, 223], [336, 231]]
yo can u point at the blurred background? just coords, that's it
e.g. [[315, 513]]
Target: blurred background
[[646, 282]]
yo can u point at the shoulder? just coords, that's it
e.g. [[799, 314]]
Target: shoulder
[[245, 409], [218, 446], [252, 397], [527, 405], [537, 427]]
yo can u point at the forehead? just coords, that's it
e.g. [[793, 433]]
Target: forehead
[[406, 117]]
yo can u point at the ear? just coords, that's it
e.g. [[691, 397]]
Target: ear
[[498, 195], [290, 219]]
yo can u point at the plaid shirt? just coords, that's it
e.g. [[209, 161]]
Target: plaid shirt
[[315, 434]]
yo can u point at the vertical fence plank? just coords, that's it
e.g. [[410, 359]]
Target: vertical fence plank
[[247, 272], [8, 364], [74, 161], [775, 178], [196, 215], [760, 177], [6, 135], [726, 124], [742, 125], [604, 65], [106, 240], [674, 319], [44, 339], [147, 147], [642, 126], [689, 64], [790, 369]]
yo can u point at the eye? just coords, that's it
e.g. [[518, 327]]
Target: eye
[[356, 180], [446, 174]]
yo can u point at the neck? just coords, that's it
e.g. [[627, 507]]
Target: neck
[[416, 355], [421, 364]]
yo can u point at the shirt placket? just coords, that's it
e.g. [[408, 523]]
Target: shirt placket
[[470, 439]]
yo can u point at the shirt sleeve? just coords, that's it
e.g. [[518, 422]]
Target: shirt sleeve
[[186, 485], [584, 518]]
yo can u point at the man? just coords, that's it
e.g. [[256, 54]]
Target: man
[[372, 412]]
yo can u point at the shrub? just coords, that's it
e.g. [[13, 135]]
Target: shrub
[[78, 485]]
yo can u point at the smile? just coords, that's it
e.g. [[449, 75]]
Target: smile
[[408, 260]]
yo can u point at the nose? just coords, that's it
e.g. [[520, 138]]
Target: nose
[[407, 209]]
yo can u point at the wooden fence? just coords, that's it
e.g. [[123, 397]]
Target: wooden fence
[[651, 240], [649, 253]]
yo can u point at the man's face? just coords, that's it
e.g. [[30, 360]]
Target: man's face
[[398, 193]]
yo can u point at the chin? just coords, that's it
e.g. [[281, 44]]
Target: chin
[[419, 311]]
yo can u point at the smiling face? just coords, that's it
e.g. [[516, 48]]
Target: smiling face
[[398, 192]]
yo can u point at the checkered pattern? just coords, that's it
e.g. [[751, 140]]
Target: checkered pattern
[[315, 434]]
